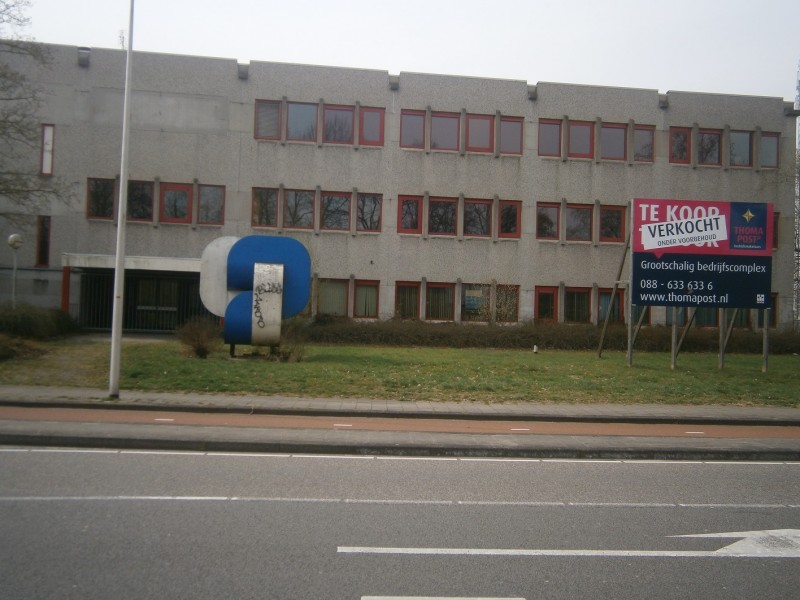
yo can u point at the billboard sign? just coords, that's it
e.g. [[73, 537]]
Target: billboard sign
[[698, 253]]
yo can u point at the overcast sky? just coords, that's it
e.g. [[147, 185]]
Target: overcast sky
[[730, 46]]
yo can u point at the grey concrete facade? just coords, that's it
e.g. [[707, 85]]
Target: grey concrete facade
[[194, 123]]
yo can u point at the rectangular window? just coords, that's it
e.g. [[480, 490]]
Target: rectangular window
[[612, 223], [507, 304], [442, 215], [268, 120], [301, 122], [211, 204], [511, 135], [48, 139], [406, 300], [643, 143], [335, 211], [576, 305], [42, 241], [636, 314], [371, 126], [338, 123], [298, 209], [770, 150], [480, 133], [741, 148], [613, 141], [510, 218], [478, 217], [445, 131], [140, 200], [709, 142], [368, 215], [579, 222], [176, 203], [409, 214], [680, 145], [475, 303], [581, 139], [439, 301], [412, 129], [706, 316], [332, 297], [546, 304], [265, 207], [604, 301], [366, 299], [100, 198], [549, 137], [547, 221], [680, 319]]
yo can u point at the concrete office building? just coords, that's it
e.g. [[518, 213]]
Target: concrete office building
[[420, 196]]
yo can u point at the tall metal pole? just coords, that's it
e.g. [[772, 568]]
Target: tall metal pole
[[122, 218]]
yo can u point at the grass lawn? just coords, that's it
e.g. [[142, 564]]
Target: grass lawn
[[404, 373]]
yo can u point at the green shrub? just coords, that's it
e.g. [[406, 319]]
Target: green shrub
[[37, 323], [203, 335]]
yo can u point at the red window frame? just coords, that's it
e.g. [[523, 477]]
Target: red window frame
[[517, 138], [701, 135], [334, 108], [575, 126], [366, 283], [449, 201], [401, 200], [407, 284], [678, 160], [777, 138], [436, 116], [441, 286], [175, 187], [488, 205], [286, 195], [472, 120], [518, 224], [611, 209], [256, 128], [604, 154], [557, 227], [360, 222], [404, 143], [650, 130], [363, 111], [587, 208], [557, 124], [546, 291]]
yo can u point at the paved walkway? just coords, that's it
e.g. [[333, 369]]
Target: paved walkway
[[409, 443]]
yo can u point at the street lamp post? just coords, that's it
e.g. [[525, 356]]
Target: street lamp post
[[15, 241]]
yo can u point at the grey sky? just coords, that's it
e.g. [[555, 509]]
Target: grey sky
[[734, 46]]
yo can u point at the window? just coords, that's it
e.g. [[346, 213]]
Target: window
[[478, 217], [301, 122], [769, 150], [549, 137], [335, 210], [510, 218], [368, 215], [546, 304], [576, 305], [406, 300], [366, 299], [409, 214], [612, 223], [579, 222], [444, 131], [298, 209], [507, 303], [268, 120], [265, 207], [741, 149], [511, 135], [613, 141], [709, 142], [371, 126], [480, 133], [706, 316], [176, 203], [638, 311], [332, 297], [643, 136], [475, 303], [581, 139], [100, 198], [211, 204], [338, 124], [412, 129], [547, 221], [42, 241], [680, 145], [439, 301], [48, 138], [442, 216], [604, 301], [140, 200], [680, 315]]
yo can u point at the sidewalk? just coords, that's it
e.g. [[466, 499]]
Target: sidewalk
[[397, 443]]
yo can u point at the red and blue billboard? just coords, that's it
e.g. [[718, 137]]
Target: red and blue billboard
[[702, 253]]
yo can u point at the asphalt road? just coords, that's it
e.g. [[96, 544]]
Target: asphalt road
[[127, 524]]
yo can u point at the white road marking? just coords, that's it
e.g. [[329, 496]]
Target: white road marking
[[165, 420], [521, 429], [342, 425], [431, 598]]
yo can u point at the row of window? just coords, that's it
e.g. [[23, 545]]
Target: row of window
[[722, 147], [578, 222]]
